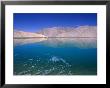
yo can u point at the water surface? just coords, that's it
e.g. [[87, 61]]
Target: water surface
[[55, 56]]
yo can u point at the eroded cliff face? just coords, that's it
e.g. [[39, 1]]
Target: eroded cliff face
[[53, 31], [22, 34], [81, 31]]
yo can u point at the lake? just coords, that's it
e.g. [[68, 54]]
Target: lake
[[55, 56]]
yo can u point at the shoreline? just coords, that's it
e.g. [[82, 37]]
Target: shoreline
[[49, 37]]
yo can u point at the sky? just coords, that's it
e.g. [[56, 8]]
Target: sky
[[33, 22]]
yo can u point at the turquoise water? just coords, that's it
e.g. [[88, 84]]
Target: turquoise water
[[67, 56]]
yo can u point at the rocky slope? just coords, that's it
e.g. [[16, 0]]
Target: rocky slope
[[22, 34], [53, 32], [81, 31]]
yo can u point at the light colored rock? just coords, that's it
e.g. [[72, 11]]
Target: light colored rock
[[22, 34], [80, 31]]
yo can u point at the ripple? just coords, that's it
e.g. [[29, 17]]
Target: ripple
[[56, 59], [48, 71], [30, 59], [32, 66]]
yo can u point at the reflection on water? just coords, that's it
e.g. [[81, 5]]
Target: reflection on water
[[55, 56], [22, 41], [56, 42]]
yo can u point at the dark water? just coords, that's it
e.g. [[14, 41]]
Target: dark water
[[55, 56]]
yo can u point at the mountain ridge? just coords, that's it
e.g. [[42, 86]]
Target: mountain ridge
[[80, 31]]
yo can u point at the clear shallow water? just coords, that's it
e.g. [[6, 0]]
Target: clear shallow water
[[55, 56]]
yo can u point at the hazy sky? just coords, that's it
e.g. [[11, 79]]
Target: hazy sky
[[32, 22]]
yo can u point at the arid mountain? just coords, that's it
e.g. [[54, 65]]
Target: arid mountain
[[22, 34], [81, 31], [52, 32], [83, 36]]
